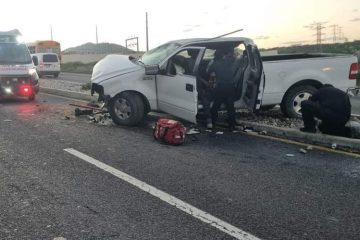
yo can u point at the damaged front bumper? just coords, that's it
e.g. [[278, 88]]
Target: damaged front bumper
[[96, 88]]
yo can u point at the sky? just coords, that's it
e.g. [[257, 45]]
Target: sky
[[270, 23]]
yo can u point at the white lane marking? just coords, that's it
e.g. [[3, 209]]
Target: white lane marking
[[183, 206]]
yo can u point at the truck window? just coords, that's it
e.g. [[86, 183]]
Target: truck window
[[14, 53], [184, 62], [157, 55], [50, 58]]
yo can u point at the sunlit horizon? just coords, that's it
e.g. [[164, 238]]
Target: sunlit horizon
[[274, 23]]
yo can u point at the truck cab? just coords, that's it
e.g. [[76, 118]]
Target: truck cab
[[18, 75], [165, 79]]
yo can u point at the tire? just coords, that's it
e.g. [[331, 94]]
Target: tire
[[291, 103], [127, 109]]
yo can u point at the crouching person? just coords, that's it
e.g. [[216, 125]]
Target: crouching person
[[332, 106]]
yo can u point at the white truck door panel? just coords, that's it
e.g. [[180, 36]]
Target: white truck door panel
[[177, 95], [176, 86]]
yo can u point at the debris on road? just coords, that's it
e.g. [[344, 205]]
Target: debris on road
[[334, 146], [7, 120], [79, 112], [290, 155], [66, 118], [263, 132], [192, 131], [309, 148], [95, 113], [219, 133], [303, 151]]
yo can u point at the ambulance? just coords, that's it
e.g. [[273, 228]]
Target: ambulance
[[18, 77]]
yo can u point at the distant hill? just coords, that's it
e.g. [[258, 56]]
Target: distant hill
[[339, 48], [101, 48]]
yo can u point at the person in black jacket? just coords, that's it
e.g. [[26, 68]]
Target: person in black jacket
[[224, 91], [332, 106]]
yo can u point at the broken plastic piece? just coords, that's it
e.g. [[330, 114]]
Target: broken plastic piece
[[248, 130], [193, 131], [309, 148], [290, 155], [302, 151], [79, 112]]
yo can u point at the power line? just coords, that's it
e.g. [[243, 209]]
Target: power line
[[318, 27], [334, 31]]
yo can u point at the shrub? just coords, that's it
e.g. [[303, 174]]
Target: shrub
[[77, 67]]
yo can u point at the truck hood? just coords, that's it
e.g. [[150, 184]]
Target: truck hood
[[15, 69], [112, 66]]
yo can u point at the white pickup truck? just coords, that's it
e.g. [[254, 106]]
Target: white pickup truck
[[164, 80], [290, 79]]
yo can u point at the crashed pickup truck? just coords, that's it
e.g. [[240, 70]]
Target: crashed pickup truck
[[163, 80]]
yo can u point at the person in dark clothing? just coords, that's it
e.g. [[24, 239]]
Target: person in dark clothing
[[332, 106], [224, 92], [206, 87]]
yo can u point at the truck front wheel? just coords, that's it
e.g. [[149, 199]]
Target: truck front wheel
[[291, 103], [127, 109]]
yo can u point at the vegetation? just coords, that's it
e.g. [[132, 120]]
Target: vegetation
[[77, 67], [336, 48]]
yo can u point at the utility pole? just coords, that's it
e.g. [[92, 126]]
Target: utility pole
[[334, 28], [147, 33], [97, 40], [341, 34], [317, 26], [51, 35], [96, 32]]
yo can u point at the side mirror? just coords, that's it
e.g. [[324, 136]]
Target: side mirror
[[35, 60], [152, 69]]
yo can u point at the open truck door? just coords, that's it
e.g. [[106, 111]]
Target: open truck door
[[250, 80], [176, 83]]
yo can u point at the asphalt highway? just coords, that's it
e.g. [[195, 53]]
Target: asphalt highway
[[63, 176]]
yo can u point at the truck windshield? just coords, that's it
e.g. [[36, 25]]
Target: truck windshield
[[156, 55], [14, 53]]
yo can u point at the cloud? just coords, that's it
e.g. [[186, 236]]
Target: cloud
[[355, 20], [193, 25], [187, 30], [190, 27], [262, 37]]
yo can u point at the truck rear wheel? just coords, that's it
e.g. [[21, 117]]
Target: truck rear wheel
[[127, 109], [291, 103]]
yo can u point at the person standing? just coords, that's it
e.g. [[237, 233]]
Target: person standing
[[332, 106], [221, 73]]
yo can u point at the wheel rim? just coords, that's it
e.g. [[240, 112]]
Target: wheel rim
[[298, 99], [122, 109]]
